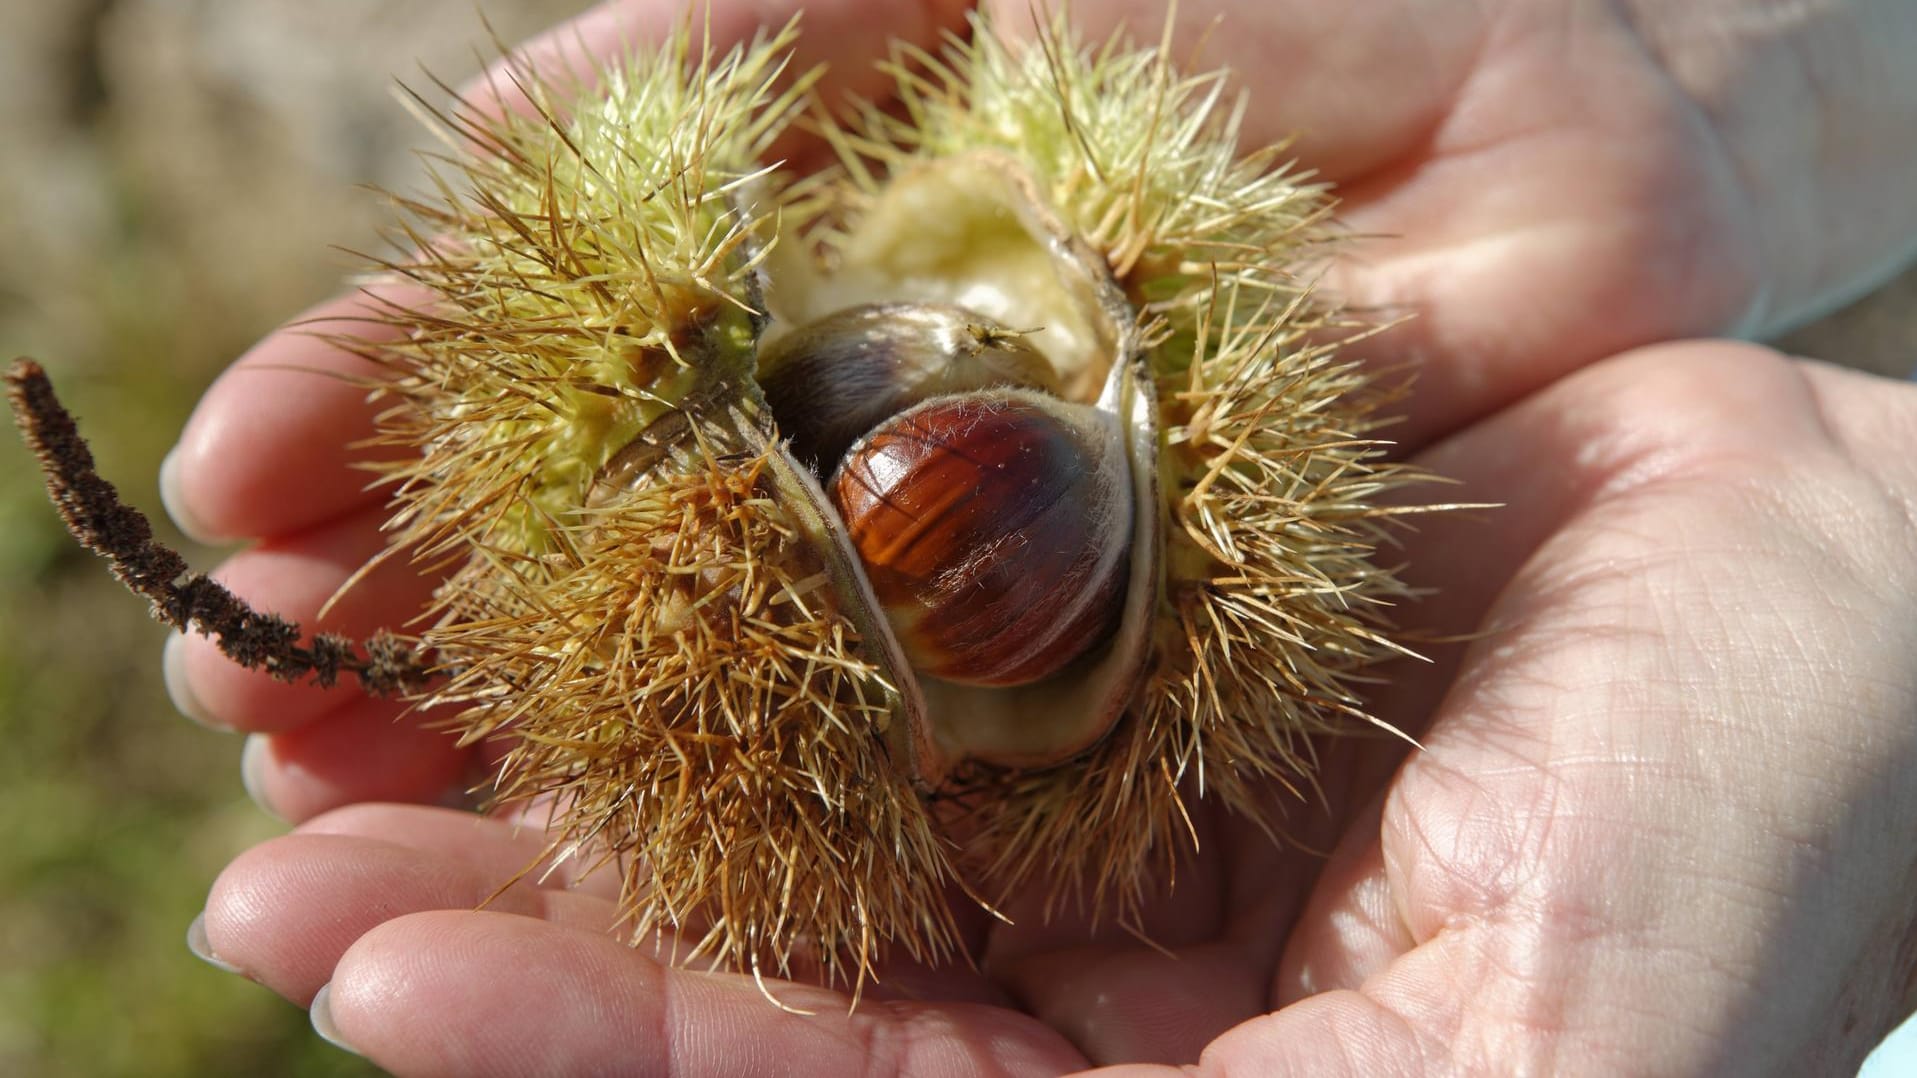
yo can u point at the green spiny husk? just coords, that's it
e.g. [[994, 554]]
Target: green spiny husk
[[670, 657]]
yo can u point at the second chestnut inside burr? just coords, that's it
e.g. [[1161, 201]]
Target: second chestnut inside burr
[[833, 379]]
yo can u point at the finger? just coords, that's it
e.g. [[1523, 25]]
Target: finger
[[1334, 1035], [1346, 1034], [844, 37], [1517, 229], [1353, 927], [285, 911], [482, 994], [499, 849], [367, 750], [458, 855], [1155, 988], [1139, 1003], [294, 577], [1533, 231], [272, 447], [1044, 916], [1166, 992], [1532, 238], [1355, 84]]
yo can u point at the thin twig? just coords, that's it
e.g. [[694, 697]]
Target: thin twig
[[188, 601]]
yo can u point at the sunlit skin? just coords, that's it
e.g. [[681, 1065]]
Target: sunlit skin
[[1661, 820]]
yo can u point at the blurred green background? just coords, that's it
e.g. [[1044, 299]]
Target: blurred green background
[[173, 174]]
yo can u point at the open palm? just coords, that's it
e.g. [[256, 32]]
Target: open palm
[[1611, 806]]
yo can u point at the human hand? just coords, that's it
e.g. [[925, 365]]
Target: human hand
[[1560, 188], [271, 464], [1661, 822]]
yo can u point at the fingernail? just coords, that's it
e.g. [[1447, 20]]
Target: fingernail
[[179, 687], [320, 1011], [202, 950], [174, 499], [253, 774]]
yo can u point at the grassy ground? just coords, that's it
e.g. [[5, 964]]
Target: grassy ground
[[175, 171]]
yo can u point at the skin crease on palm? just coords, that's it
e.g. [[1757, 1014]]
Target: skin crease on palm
[[1657, 824]]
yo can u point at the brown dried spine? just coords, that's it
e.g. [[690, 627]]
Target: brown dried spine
[[188, 601]]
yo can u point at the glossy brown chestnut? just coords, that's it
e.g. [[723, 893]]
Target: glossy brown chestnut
[[831, 380], [995, 531]]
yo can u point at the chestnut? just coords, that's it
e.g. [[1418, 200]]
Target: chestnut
[[832, 379], [995, 529]]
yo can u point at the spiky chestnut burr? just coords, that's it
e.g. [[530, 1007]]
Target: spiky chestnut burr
[[1096, 193], [832, 380], [657, 609]]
